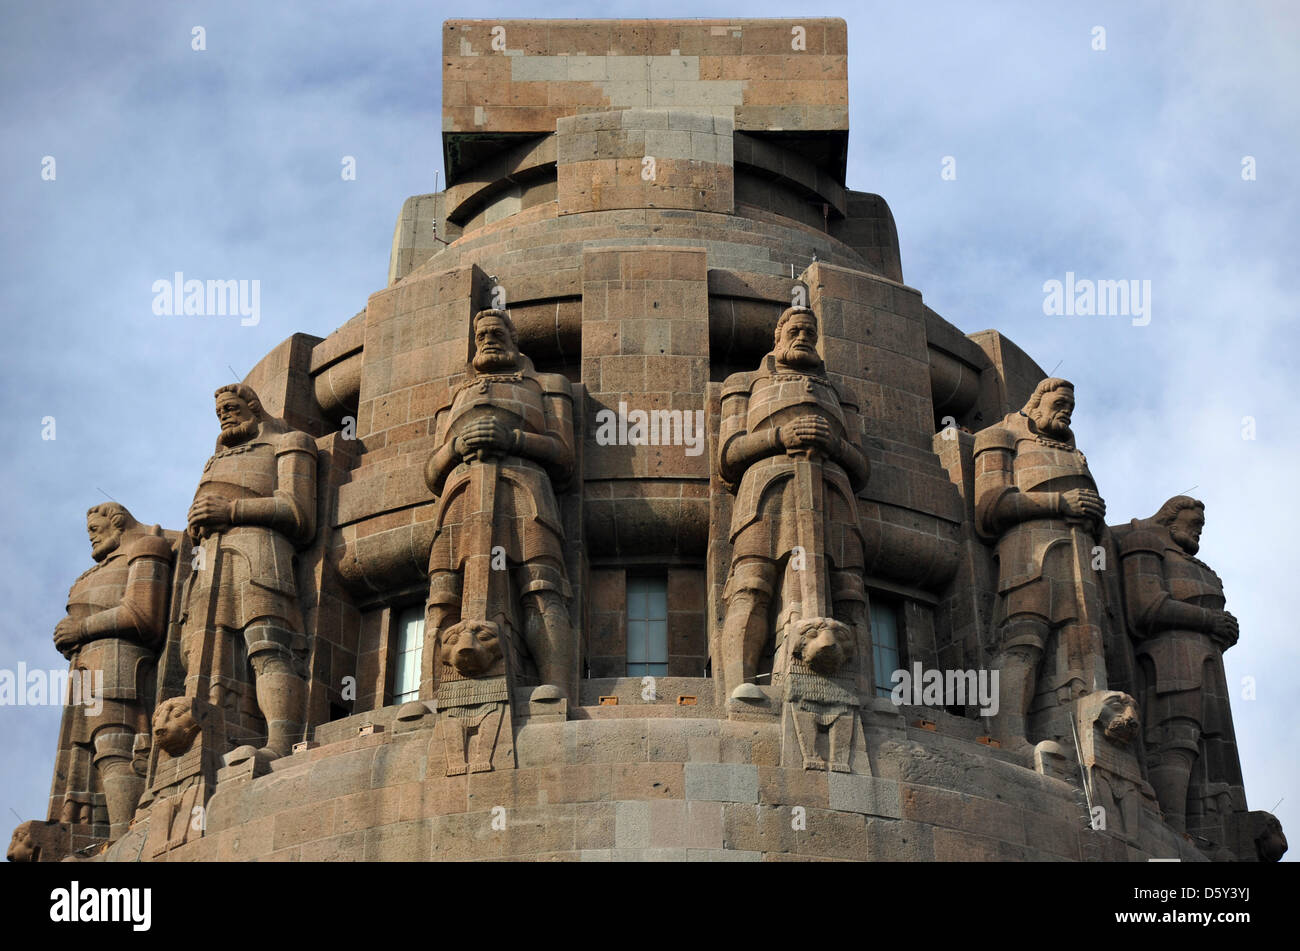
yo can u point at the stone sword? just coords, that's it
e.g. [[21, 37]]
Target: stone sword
[[810, 531]]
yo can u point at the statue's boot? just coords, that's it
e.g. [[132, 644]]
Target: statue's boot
[[550, 640], [281, 697], [1011, 737], [744, 635], [77, 800], [1170, 771], [1017, 669], [123, 786]]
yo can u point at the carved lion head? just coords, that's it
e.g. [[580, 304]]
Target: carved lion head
[[471, 647], [1118, 718], [22, 847], [1270, 841], [174, 726], [823, 643]]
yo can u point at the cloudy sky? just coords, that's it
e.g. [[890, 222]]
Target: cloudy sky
[[1122, 163]]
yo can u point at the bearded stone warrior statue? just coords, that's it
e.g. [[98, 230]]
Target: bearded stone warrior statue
[[117, 618], [1037, 502], [241, 626], [506, 442], [1174, 603], [787, 449]]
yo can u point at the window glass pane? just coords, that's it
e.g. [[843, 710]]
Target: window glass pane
[[635, 598], [884, 639], [410, 649], [647, 626], [657, 641], [636, 642], [657, 602]]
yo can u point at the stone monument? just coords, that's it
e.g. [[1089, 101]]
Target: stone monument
[[605, 528]]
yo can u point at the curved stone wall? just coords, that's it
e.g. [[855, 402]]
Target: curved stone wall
[[653, 781]]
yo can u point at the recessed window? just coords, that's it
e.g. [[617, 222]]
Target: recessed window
[[410, 649], [884, 643], [647, 626]]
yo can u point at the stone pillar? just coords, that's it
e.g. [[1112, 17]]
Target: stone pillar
[[645, 348]]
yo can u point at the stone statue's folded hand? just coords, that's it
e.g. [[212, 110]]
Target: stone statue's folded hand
[[807, 432], [68, 635], [208, 514], [1225, 630], [1083, 503], [486, 435]]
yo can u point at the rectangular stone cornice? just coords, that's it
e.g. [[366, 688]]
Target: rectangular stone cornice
[[510, 78]]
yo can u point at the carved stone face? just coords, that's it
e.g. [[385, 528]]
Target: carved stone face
[[104, 536], [174, 726], [494, 351], [797, 345], [825, 644], [238, 421], [1186, 529], [1053, 414], [1119, 718], [1271, 844], [472, 647], [22, 847]]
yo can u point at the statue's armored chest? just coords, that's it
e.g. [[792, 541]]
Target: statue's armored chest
[[1040, 462], [100, 588], [779, 398], [514, 398], [1190, 579], [250, 468]]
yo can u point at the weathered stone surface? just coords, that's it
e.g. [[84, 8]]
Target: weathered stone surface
[[722, 782], [865, 794]]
